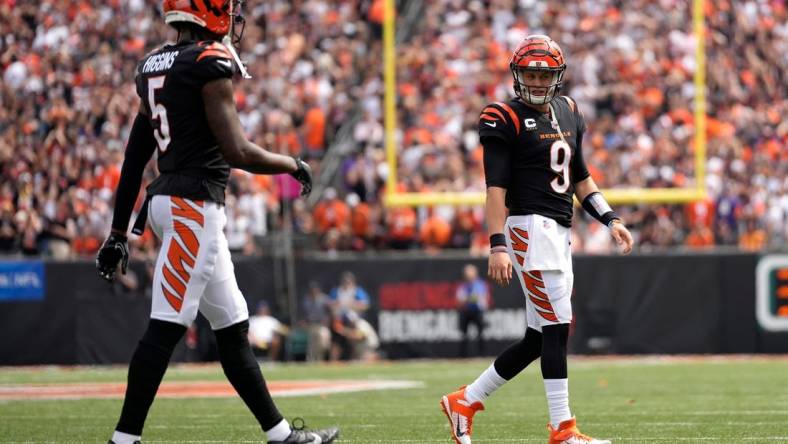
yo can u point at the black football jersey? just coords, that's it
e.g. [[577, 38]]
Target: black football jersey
[[169, 82], [525, 154]]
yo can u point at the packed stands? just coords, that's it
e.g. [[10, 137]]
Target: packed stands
[[67, 101]]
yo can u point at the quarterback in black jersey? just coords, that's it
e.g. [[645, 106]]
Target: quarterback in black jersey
[[188, 115], [533, 165]]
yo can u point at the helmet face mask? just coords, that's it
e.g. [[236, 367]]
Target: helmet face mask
[[238, 22], [537, 86], [538, 68]]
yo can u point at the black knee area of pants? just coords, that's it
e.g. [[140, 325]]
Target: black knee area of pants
[[156, 346], [243, 372], [234, 336], [516, 358], [554, 340], [162, 336], [233, 342], [146, 369]]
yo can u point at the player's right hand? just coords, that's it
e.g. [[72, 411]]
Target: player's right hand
[[304, 175], [114, 251], [500, 268], [622, 236]]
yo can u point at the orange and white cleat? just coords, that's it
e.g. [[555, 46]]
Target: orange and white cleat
[[567, 433], [460, 413]]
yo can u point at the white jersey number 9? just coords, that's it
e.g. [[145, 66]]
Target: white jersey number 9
[[560, 154]]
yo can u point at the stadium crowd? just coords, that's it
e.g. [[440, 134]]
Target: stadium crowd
[[67, 100]]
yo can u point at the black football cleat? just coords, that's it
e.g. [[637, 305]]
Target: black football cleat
[[303, 436], [113, 442]]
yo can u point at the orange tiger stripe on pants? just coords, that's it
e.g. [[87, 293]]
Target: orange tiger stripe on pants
[[194, 270], [535, 287], [519, 244], [180, 261], [541, 259], [182, 209]]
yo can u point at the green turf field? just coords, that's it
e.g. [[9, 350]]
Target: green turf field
[[628, 400]]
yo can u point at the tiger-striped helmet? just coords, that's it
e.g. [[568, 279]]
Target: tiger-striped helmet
[[217, 16], [537, 54]]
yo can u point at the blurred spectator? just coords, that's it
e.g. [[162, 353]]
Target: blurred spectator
[[332, 222], [331, 213], [266, 333], [435, 233], [355, 338], [753, 238], [317, 315], [401, 227], [348, 296], [473, 299], [59, 233], [348, 303], [364, 220], [700, 237], [365, 348], [466, 223], [314, 131]]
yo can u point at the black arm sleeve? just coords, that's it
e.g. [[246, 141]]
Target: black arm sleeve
[[138, 152], [578, 163], [497, 165]]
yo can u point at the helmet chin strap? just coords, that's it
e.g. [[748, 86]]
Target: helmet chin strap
[[227, 41], [524, 92], [538, 100], [554, 123]]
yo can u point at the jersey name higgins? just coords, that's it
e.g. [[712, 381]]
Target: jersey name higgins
[[160, 62]]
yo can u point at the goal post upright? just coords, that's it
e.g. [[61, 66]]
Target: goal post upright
[[393, 198]]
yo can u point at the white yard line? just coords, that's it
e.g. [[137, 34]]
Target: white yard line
[[281, 389]]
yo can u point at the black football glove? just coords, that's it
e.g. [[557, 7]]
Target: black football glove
[[304, 175], [114, 251]]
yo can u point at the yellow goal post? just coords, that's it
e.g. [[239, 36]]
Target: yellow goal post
[[613, 195]]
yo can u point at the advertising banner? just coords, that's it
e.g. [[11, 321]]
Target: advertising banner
[[21, 281]]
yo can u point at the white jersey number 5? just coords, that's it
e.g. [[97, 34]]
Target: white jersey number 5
[[560, 154], [162, 135]]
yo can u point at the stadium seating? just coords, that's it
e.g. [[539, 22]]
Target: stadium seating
[[68, 100]]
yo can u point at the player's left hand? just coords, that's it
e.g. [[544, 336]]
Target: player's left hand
[[114, 251], [304, 175], [622, 236]]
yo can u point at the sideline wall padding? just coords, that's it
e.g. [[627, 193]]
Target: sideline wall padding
[[666, 304]]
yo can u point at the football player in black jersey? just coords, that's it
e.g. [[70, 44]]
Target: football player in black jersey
[[188, 115], [533, 163]]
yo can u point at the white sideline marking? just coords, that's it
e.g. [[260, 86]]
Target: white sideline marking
[[357, 387], [196, 389]]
